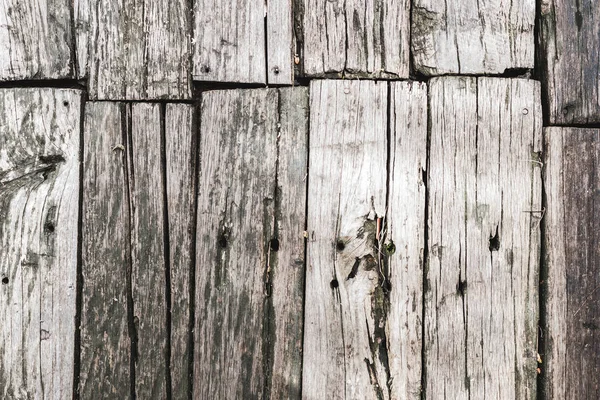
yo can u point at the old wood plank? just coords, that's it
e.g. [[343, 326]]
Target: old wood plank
[[280, 57], [572, 350], [134, 50], [35, 39], [180, 156], [356, 38], [39, 211], [571, 43], [229, 41], [481, 304], [346, 202], [404, 243], [105, 330], [472, 37]]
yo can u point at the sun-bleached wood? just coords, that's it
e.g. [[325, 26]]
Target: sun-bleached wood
[[572, 345], [481, 303], [472, 37], [105, 336], [345, 305], [280, 57], [134, 50], [35, 39], [405, 242], [356, 38], [39, 211]]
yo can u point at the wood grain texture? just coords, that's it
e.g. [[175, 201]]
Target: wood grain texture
[[471, 36], [345, 303], [361, 38], [280, 57], [481, 304], [572, 338], [134, 49], [180, 153], [39, 211], [106, 256], [571, 43], [229, 41], [405, 236], [35, 39]]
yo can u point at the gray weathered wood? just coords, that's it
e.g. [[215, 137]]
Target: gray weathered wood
[[571, 45], [345, 303], [180, 156], [280, 57], [105, 336], [481, 304], [35, 39], [572, 353], [39, 211], [229, 41], [471, 36], [405, 236], [134, 49], [356, 38]]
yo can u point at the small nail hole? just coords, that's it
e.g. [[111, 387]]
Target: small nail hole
[[340, 246], [49, 227], [274, 244], [334, 284], [222, 241], [66, 103], [276, 70], [205, 69], [5, 281]]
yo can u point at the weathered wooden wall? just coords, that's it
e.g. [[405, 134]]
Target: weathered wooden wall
[[194, 205]]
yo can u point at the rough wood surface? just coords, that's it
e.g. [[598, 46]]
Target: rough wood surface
[[571, 45], [105, 330], [180, 153], [345, 303], [229, 41], [35, 39], [134, 49], [360, 38], [405, 236], [472, 36], [39, 211], [280, 57], [572, 352], [481, 304]]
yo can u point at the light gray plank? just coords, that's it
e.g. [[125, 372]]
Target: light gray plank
[[356, 38], [279, 42], [35, 39], [481, 304], [106, 256], [134, 49], [572, 345], [472, 37], [229, 41], [571, 60], [346, 203], [39, 211], [180, 154], [404, 239]]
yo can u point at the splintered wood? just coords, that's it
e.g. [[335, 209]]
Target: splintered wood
[[481, 302], [572, 254], [250, 244], [39, 211]]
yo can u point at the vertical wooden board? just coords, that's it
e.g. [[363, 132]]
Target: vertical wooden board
[[572, 351], [471, 36], [134, 49], [39, 211], [180, 165], [481, 307], [235, 225], [35, 39], [405, 235], [148, 276], [361, 38], [280, 60], [287, 262], [229, 41], [346, 203], [105, 337], [571, 43]]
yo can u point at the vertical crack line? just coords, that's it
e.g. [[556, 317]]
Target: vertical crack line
[[194, 212], [79, 272], [125, 111], [346, 39], [543, 285], [73, 67], [266, 30], [166, 249]]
